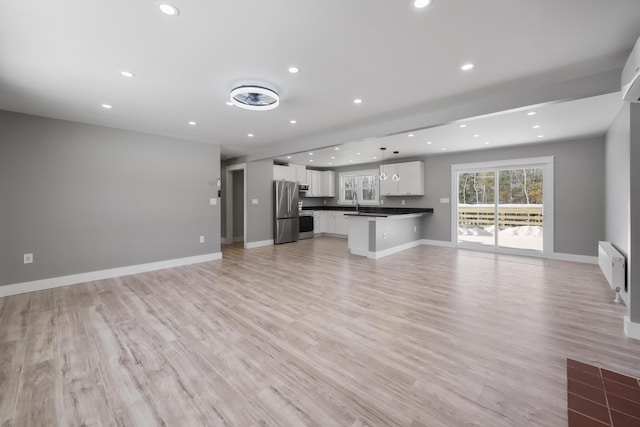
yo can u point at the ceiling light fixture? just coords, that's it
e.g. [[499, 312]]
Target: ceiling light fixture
[[250, 135], [463, 126], [288, 157], [357, 101], [374, 157], [330, 163], [383, 173], [536, 126], [429, 142], [311, 160], [350, 161], [487, 143], [294, 70], [395, 176], [531, 113], [192, 123], [476, 135], [311, 154], [467, 67], [169, 9], [106, 106], [540, 136], [337, 148], [419, 4], [229, 103], [127, 74], [293, 122], [444, 149], [254, 98], [410, 135], [333, 157], [357, 154]]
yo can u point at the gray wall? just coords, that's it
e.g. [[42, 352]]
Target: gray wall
[[238, 205], [634, 215], [579, 190], [83, 198], [617, 181], [260, 186]]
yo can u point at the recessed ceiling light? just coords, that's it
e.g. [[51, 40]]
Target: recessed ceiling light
[[421, 3], [229, 103], [476, 135], [410, 135], [293, 122], [294, 70], [192, 123], [487, 143], [288, 157], [540, 136], [330, 163], [311, 154], [463, 126], [250, 135], [374, 157], [357, 154], [536, 126], [350, 161], [467, 67], [169, 9], [107, 106], [444, 149], [127, 74], [337, 148], [429, 142], [357, 101], [333, 157], [531, 113], [311, 160]]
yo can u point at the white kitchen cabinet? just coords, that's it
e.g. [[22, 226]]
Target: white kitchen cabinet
[[342, 224], [297, 173], [330, 222], [317, 222], [411, 181], [321, 183], [300, 173]]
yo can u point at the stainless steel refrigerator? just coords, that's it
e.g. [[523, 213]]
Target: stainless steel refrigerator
[[286, 225]]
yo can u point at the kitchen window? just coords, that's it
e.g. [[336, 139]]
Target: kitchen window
[[364, 184]]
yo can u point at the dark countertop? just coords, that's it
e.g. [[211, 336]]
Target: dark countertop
[[372, 210]]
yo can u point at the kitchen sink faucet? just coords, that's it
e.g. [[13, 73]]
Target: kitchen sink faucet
[[355, 200]]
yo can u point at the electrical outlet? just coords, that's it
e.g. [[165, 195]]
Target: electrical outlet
[[415, 229], [28, 258], [382, 201], [254, 201], [213, 201], [403, 201], [384, 236], [201, 239], [444, 200]]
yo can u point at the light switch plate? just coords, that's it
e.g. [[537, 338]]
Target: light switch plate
[[254, 201], [444, 200], [28, 258], [201, 239], [213, 202]]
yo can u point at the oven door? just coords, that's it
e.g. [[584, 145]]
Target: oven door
[[306, 226]]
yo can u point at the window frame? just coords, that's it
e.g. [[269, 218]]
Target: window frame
[[359, 174]]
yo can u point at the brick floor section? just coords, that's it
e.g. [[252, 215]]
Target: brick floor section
[[598, 397]]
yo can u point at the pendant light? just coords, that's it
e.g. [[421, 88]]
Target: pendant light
[[383, 173], [395, 176]]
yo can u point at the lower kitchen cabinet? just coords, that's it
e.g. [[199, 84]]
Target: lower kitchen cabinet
[[330, 222]]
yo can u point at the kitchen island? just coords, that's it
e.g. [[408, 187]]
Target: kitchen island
[[379, 233]]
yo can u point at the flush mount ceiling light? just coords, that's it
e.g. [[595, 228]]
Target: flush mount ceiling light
[[255, 98], [127, 74], [467, 67], [419, 4], [168, 9]]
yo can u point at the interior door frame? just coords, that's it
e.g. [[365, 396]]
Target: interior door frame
[[229, 202], [547, 165]]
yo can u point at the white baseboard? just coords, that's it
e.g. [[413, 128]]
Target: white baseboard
[[74, 279], [385, 252], [442, 243], [631, 329], [585, 259], [251, 245]]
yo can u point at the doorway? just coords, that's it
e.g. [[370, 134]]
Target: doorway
[[235, 204], [504, 206]]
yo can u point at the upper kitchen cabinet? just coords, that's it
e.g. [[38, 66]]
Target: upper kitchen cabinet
[[297, 173], [321, 183], [411, 182]]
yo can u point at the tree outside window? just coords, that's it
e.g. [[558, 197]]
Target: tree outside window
[[364, 184]]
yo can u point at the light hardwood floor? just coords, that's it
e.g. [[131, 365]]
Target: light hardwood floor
[[306, 334]]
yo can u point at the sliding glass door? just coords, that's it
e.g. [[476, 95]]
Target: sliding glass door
[[501, 207]]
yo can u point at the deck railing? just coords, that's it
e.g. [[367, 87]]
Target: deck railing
[[508, 215]]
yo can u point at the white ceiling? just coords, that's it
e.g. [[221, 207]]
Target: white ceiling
[[62, 59], [554, 121]]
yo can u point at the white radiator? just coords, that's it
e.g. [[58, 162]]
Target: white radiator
[[612, 264]]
